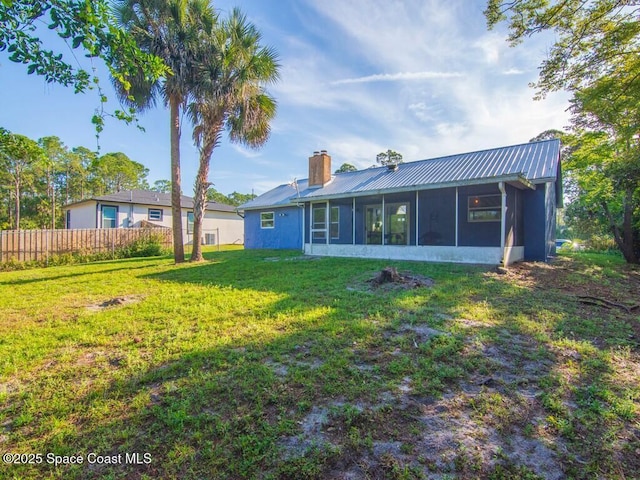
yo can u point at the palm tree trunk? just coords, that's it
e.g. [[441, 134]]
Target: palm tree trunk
[[199, 205], [176, 207], [210, 141]]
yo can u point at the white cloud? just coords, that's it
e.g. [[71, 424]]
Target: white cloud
[[450, 86], [513, 71], [492, 46], [400, 76]]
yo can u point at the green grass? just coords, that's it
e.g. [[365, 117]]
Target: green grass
[[265, 364]]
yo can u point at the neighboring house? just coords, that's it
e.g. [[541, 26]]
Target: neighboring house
[[493, 206], [133, 208]]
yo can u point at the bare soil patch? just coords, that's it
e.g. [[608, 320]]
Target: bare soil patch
[[115, 302]]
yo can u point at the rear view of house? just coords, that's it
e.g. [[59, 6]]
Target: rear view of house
[[135, 208], [491, 206]]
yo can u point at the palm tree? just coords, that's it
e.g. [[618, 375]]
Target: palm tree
[[234, 70], [172, 30]]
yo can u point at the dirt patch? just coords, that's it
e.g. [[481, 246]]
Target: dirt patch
[[567, 279], [115, 302], [389, 279], [389, 276]]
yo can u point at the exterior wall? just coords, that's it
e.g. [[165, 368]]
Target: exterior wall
[[529, 227], [514, 227], [550, 219], [480, 255], [141, 212], [82, 216], [226, 226], [286, 233], [220, 227], [534, 218], [476, 234]]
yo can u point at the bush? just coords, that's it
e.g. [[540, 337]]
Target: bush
[[601, 244], [143, 247]]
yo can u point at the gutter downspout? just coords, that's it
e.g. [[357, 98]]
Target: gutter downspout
[[304, 210], [503, 222]]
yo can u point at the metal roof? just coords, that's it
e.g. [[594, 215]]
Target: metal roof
[[149, 197], [528, 163]]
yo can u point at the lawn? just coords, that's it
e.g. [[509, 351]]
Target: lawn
[[266, 364]]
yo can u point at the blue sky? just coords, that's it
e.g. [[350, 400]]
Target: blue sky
[[422, 77]]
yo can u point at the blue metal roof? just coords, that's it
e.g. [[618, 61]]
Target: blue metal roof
[[528, 163]]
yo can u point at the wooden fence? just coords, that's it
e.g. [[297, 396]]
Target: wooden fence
[[27, 245]]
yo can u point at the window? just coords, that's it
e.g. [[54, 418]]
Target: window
[[155, 214], [396, 224], [267, 220], [485, 208], [335, 222], [373, 224], [319, 223], [189, 223], [109, 216]]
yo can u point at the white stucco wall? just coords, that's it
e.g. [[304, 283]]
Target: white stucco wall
[[83, 215], [227, 227]]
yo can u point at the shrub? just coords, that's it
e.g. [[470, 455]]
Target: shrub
[[601, 244], [150, 246]]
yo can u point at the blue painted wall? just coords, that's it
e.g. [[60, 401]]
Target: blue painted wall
[[286, 234], [534, 219], [476, 234]]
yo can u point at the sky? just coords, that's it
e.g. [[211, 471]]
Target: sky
[[422, 77]]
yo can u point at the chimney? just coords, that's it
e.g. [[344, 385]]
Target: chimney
[[319, 169]]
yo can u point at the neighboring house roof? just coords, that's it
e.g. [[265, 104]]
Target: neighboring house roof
[[151, 198], [526, 164]]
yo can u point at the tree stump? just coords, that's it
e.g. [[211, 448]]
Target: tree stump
[[388, 275]]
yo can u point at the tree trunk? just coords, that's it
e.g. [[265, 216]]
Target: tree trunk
[[628, 242], [209, 142], [176, 207], [53, 207], [17, 195], [199, 205], [625, 238]]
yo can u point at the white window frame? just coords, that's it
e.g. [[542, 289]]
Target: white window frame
[[319, 230], [115, 219], [190, 223], [264, 221], [151, 218], [335, 223]]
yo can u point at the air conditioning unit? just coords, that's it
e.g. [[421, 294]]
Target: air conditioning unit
[[209, 239]]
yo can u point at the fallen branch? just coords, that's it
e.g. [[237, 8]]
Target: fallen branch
[[602, 302]]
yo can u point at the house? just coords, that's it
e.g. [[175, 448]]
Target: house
[[492, 206], [133, 208]]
